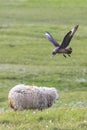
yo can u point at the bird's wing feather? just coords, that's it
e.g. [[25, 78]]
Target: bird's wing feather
[[68, 37], [51, 39]]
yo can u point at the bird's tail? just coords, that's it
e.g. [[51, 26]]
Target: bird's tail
[[69, 50]]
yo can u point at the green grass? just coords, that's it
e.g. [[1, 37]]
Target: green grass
[[25, 57], [65, 118]]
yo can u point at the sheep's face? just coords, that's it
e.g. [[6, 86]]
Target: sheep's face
[[54, 94]]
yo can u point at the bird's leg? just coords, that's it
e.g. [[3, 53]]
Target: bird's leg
[[64, 55], [69, 55]]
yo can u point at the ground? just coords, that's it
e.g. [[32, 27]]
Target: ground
[[25, 57]]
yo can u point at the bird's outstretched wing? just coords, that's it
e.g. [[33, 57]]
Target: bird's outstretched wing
[[51, 39], [68, 37]]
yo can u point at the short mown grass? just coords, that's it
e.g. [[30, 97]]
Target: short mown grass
[[25, 57]]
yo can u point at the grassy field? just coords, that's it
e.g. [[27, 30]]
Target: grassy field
[[25, 57]]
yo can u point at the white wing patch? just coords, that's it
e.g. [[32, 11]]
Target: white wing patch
[[47, 35]]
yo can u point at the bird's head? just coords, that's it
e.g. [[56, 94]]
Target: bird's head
[[53, 53]]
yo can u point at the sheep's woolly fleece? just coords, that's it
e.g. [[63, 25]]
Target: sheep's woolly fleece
[[31, 97]]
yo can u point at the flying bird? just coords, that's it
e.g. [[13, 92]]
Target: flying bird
[[63, 47]]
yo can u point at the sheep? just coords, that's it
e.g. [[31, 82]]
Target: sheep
[[23, 97]]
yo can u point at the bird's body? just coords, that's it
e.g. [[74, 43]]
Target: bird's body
[[63, 47], [62, 50]]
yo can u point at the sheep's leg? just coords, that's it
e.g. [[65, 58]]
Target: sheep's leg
[[40, 107], [69, 55]]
